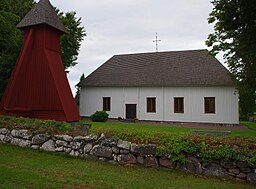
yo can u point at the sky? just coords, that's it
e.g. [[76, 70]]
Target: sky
[[123, 27]]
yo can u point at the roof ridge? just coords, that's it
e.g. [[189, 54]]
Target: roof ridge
[[161, 52]]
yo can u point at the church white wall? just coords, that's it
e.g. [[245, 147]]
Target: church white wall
[[91, 100], [226, 103]]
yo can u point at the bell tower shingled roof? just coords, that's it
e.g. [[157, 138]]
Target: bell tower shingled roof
[[42, 13]]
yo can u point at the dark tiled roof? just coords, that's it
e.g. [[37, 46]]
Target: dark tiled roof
[[174, 68], [42, 13]]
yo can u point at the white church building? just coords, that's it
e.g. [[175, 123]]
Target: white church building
[[176, 86]]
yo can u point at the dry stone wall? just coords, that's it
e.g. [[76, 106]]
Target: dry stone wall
[[125, 152]]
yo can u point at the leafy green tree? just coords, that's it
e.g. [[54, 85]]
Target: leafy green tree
[[78, 89], [82, 77], [71, 42], [11, 38], [234, 34], [20, 7]]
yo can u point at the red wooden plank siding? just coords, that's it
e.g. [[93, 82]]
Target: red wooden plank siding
[[38, 86]]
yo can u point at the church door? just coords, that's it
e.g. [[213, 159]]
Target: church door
[[131, 111]]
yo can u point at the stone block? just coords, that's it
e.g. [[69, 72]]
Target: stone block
[[40, 139], [140, 160], [115, 150], [66, 138], [114, 157], [14, 133], [215, 170], [67, 150], [242, 164], [74, 153], [101, 138], [251, 177], [241, 175], [79, 138], [126, 159], [124, 144], [76, 145], [101, 151], [150, 162], [234, 171], [143, 149], [4, 131], [23, 133], [81, 150], [59, 149], [25, 143], [15, 141], [167, 163], [228, 164], [91, 138], [87, 148], [193, 165], [62, 143], [2, 137], [110, 142], [48, 146], [8, 138], [21, 142]]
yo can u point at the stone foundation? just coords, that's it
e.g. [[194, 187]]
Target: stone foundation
[[125, 152]]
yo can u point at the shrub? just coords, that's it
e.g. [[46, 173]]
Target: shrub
[[252, 160], [99, 116]]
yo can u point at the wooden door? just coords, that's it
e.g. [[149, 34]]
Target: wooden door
[[131, 111]]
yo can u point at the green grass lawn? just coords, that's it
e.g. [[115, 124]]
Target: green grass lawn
[[250, 125], [26, 168], [98, 126]]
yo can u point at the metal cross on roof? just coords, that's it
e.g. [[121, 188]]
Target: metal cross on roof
[[156, 41]]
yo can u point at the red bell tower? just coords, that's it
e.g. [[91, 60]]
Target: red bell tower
[[38, 87]]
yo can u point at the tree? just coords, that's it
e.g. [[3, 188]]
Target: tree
[[10, 37], [71, 42], [234, 34], [11, 13], [78, 89], [20, 7], [10, 44], [82, 77]]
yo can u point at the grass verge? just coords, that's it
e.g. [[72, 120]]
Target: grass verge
[[107, 126], [159, 134], [250, 125], [26, 168]]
